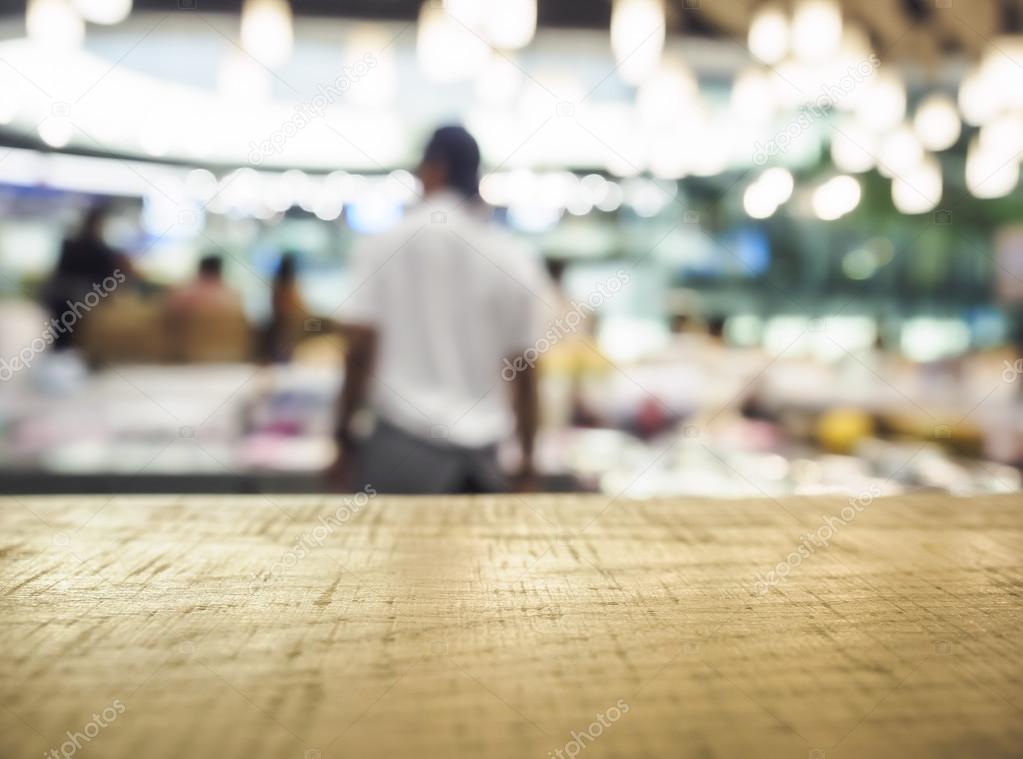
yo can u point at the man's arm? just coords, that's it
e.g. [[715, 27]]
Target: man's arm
[[526, 406], [360, 352]]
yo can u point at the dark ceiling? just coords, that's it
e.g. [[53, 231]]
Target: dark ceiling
[[917, 29]]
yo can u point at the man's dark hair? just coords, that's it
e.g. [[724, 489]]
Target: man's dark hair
[[210, 267], [456, 150], [286, 269]]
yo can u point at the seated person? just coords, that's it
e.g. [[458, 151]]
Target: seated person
[[205, 321]]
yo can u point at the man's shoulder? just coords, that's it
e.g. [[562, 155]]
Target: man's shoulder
[[476, 235], [385, 242]]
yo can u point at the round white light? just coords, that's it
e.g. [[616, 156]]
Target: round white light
[[592, 187], [1003, 137], [757, 202], [447, 50], [836, 197], [855, 44], [367, 45], [1002, 70], [900, 150], [979, 102], [56, 131], [510, 24], [778, 182], [937, 122], [328, 207], [988, 173], [201, 184], [611, 197], [469, 13], [816, 30], [918, 189], [769, 35], [853, 147], [579, 205], [645, 197], [637, 37], [770, 190], [104, 11], [266, 31], [495, 189], [54, 23], [666, 96], [847, 77], [884, 105], [752, 96]]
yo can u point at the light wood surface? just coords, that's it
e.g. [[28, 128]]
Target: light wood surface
[[500, 627]]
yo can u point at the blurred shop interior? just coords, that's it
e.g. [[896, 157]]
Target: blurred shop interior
[[817, 205]]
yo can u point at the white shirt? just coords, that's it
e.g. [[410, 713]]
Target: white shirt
[[450, 297]]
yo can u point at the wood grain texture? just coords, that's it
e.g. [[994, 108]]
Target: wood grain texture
[[500, 627]]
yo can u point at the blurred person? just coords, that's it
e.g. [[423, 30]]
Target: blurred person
[[573, 360], [85, 264], [205, 320], [287, 312], [439, 303]]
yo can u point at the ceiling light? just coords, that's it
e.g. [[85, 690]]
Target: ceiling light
[[637, 37], [54, 23], [988, 174], [900, 150], [665, 97], [778, 182], [853, 147], [918, 189], [446, 49], [884, 104], [937, 122], [816, 30], [370, 67], [510, 24], [104, 11], [979, 102], [768, 38], [752, 96], [266, 31], [836, 197]]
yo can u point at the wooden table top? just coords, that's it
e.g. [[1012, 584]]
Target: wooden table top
[[544, 626]]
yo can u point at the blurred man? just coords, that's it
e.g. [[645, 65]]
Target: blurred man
[[205, 320], [287, 313], [85, 262], [439, 303]]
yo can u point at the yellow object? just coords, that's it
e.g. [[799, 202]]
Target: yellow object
[[839, 430]]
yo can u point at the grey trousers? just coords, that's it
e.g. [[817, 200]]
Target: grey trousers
[[391, 460]]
